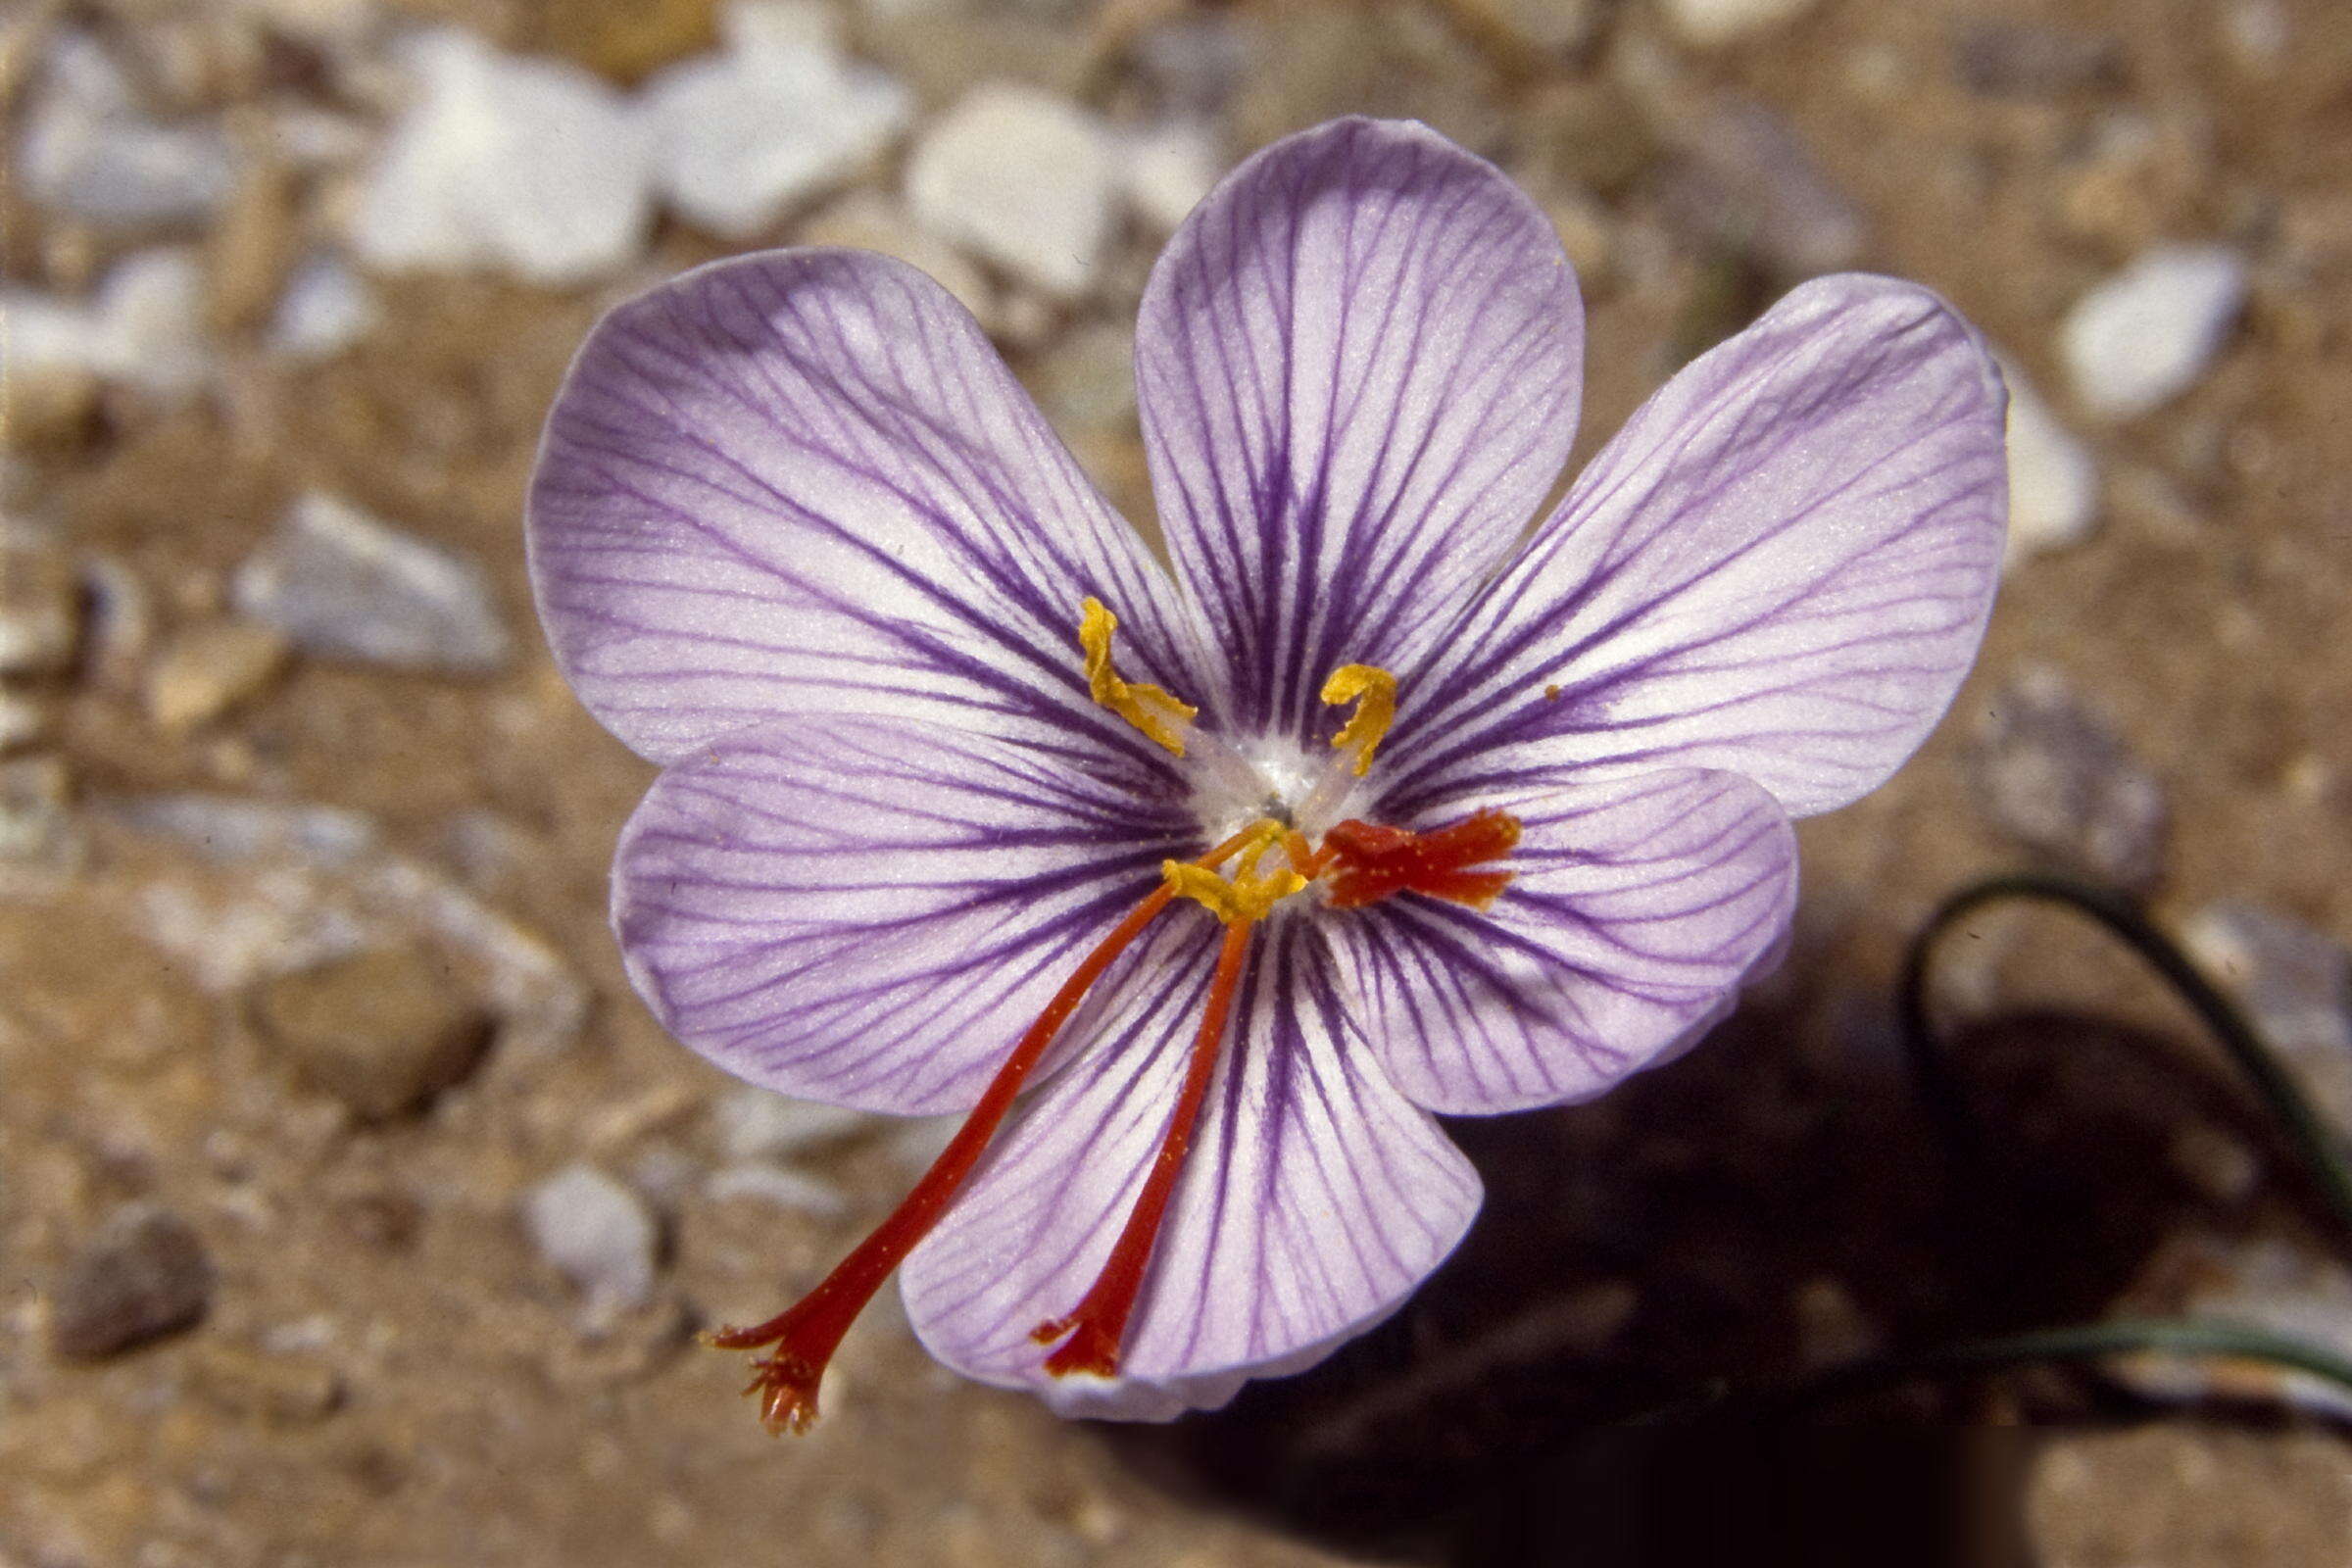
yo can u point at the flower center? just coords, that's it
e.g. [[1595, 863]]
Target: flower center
[[1278, 802]]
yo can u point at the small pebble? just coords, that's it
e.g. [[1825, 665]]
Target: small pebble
[[1021, 179], [1999, 59], [530, 166], [2148, 334], [144, 329], [757, 1124], [326, 309], [343, 585], [2053, 479], [207, 669], [89, 149], [1165, 171], [1704, 24], [740, 137], [383, 1031], [2295, 984], [2050, 774], [791, 1189], [40, 607], [143, 1275], [597, 1233]]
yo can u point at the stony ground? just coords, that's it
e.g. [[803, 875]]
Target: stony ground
[[353, 1212]]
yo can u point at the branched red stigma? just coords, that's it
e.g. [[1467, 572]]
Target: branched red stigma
[[1371, 861]]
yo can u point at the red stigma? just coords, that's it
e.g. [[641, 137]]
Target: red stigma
[[806, 1334], [1371, 863], [1098, 1325]]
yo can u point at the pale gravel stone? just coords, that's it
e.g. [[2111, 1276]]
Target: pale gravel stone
[[532, 165], [316, 883], [597, 1233], [740, 137], [1168, 169], [2053, 478], [795, 1191], [2146, 335], [2050, 772], [2259, 34], [144, 329], [1704, 24], [2295, 984], [341, 584], [756, 1124], [152, 307], [89, 149], [748, 25], [326, 309], [1021, 179]]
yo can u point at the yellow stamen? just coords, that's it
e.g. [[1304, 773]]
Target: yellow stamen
[[1373, 690], [1159, 716], [1248, 893]]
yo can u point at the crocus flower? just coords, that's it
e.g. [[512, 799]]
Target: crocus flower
[[1200, 895]]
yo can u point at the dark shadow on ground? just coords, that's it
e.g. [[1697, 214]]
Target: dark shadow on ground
[[1757, 1209]]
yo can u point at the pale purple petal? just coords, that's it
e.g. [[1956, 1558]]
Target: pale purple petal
[[803, 480], [1358, 368], [1781, 567], [1635, 908], [870, 911], [1315, 1200]]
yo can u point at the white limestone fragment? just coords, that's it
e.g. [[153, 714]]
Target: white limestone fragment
[[1021, 179], [1706, 23], [339, 583], [89, 149], [757, 1124], [1166, 171], [740, 137], [526, 165], [795, 1191], [598, 1234], [2053, 479], [2146, 335], [145, 327], [326, 309]]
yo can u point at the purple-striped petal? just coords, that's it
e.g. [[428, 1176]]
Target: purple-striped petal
[[1358, 368], [1781, 567], [1314, 1199], [869, 912], [1634, 909], [803, 480]]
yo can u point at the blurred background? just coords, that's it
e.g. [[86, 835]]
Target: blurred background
[[352, 1212]]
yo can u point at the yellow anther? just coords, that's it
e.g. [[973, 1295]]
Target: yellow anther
[[1248, 893], [1373, 690], [1159, 716]]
